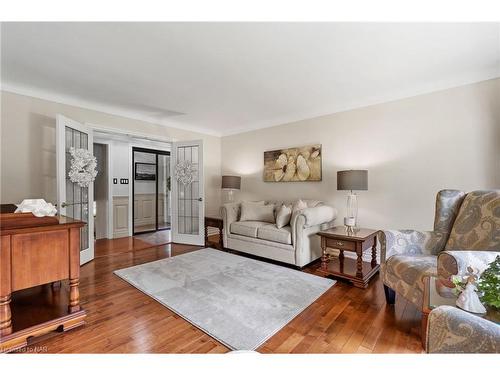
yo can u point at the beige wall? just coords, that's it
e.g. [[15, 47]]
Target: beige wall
[[28, 163], [412, 148]]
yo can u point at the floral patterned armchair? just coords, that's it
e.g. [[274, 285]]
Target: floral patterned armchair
[[466, 232]]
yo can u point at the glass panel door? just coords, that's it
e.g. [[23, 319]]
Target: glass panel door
[[164, 180], [77, 197], [151, 170], [73, 200], [187, 194]]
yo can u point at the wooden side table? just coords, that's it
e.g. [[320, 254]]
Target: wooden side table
[[214, 222], [357, 271]]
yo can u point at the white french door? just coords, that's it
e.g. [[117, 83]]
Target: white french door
[[73, 200], [188, 204]]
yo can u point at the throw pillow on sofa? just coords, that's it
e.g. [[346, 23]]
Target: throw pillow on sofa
[[261, 203], [256, 211], [283, 216]]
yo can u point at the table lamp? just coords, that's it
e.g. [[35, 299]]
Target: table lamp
[[231, 183], [352, 180]]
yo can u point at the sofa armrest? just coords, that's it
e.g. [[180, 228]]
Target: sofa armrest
[[451, 330], [456, 262], [410, 242], [229, 212], [318, 215], [313, 216]]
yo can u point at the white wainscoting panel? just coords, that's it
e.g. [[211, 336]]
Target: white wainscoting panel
[[120, 216]]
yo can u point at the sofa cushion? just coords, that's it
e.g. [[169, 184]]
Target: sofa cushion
[[477, 226], [257, 212], [272, 233], [247, 228]]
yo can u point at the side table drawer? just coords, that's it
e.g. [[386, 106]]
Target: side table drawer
[[340, 244]]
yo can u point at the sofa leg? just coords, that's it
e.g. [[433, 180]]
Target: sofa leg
[[390, 295]]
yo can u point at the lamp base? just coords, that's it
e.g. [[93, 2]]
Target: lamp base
[[350, 225], [228, 195]]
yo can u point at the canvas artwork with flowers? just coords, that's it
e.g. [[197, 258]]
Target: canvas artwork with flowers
[[293, 164]]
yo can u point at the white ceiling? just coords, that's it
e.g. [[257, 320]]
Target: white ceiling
[[225, 78]]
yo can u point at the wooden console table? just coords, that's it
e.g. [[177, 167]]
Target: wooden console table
[[357, 271], [36, 251]]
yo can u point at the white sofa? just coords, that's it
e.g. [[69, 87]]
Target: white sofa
[[296, 243]]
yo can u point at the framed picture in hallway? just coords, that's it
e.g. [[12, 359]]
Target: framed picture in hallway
[[145, 171], [293, 164]]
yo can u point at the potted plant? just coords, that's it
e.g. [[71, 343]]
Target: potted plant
[[489, 284]]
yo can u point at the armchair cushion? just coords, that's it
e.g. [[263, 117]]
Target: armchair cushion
[[456, 262], [477, 226], [405, 274], [451, 330]]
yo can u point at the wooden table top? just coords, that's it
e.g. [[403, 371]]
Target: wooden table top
[[360, 234], [12, 223]]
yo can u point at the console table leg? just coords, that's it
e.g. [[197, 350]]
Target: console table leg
[[74, 270], [5, 316], [74, 296], [374, 252]]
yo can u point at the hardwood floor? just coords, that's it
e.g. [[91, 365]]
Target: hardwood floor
[[121, 319]]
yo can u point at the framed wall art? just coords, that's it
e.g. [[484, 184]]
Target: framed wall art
[[145, 171], [293, 164]]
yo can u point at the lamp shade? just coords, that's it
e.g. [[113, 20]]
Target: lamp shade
[[231, 182], [352, 180]]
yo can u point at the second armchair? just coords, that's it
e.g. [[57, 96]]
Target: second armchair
[[466, 232]]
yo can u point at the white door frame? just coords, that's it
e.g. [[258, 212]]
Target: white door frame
[[182, 237], [61, 123], [109, 166], [108, 135]]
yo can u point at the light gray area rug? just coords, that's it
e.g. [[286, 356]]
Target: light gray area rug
[[239, 301]]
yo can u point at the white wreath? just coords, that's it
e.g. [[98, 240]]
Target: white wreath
[[83, 167], [185, 172]]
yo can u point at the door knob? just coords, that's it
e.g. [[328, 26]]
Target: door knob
[[200, 199]]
